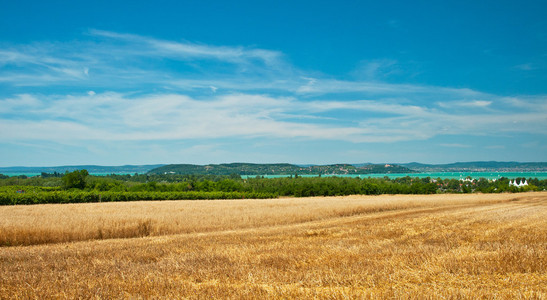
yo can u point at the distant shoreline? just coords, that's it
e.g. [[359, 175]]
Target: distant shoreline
[[290, 169], [444, 175]]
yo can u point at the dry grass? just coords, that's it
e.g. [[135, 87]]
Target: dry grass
[[55, 223], [439, 246]]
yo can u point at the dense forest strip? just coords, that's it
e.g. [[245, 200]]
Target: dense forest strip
[[80, 187], [96, 196]]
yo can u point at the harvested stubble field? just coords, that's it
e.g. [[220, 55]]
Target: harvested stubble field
[[490, 246]]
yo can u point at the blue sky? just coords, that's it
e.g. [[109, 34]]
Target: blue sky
[[142, 82]]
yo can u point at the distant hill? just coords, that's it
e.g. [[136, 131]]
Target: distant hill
[[278, 169], [129, 169], [290, 169], [480, 166]]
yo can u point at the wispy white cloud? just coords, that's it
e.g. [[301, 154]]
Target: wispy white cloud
[[376, 89], [525, 67], [192, 50], [19, 104], [130, 60], [466, 104], [118, 60], [455, 145], [377, 69], [230, 91], [495, 147], [115, 116]]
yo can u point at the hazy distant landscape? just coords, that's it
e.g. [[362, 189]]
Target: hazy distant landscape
[[289, 169]]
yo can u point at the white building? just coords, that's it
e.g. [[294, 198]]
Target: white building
[[521, 184]]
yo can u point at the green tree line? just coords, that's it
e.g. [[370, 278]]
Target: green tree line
[[78, 186]]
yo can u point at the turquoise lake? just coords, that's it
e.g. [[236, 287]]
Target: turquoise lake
[[443, 175], [38, 174]]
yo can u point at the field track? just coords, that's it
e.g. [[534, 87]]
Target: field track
[[453, 246]]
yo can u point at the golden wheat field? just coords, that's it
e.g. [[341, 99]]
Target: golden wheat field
[[490, 246]]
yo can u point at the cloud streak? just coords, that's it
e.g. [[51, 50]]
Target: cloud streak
[[117, 87], [112, 60], [115, 116], [186, 50]]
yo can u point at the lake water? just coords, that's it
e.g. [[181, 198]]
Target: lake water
[[443, 175], [38, 174]]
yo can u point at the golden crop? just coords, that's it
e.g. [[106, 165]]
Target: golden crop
[[439, 246]]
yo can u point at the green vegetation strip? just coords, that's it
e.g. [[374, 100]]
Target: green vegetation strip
[[79, 187], [7, 198]]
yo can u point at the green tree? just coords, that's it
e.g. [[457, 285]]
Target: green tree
[[75, 179]]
